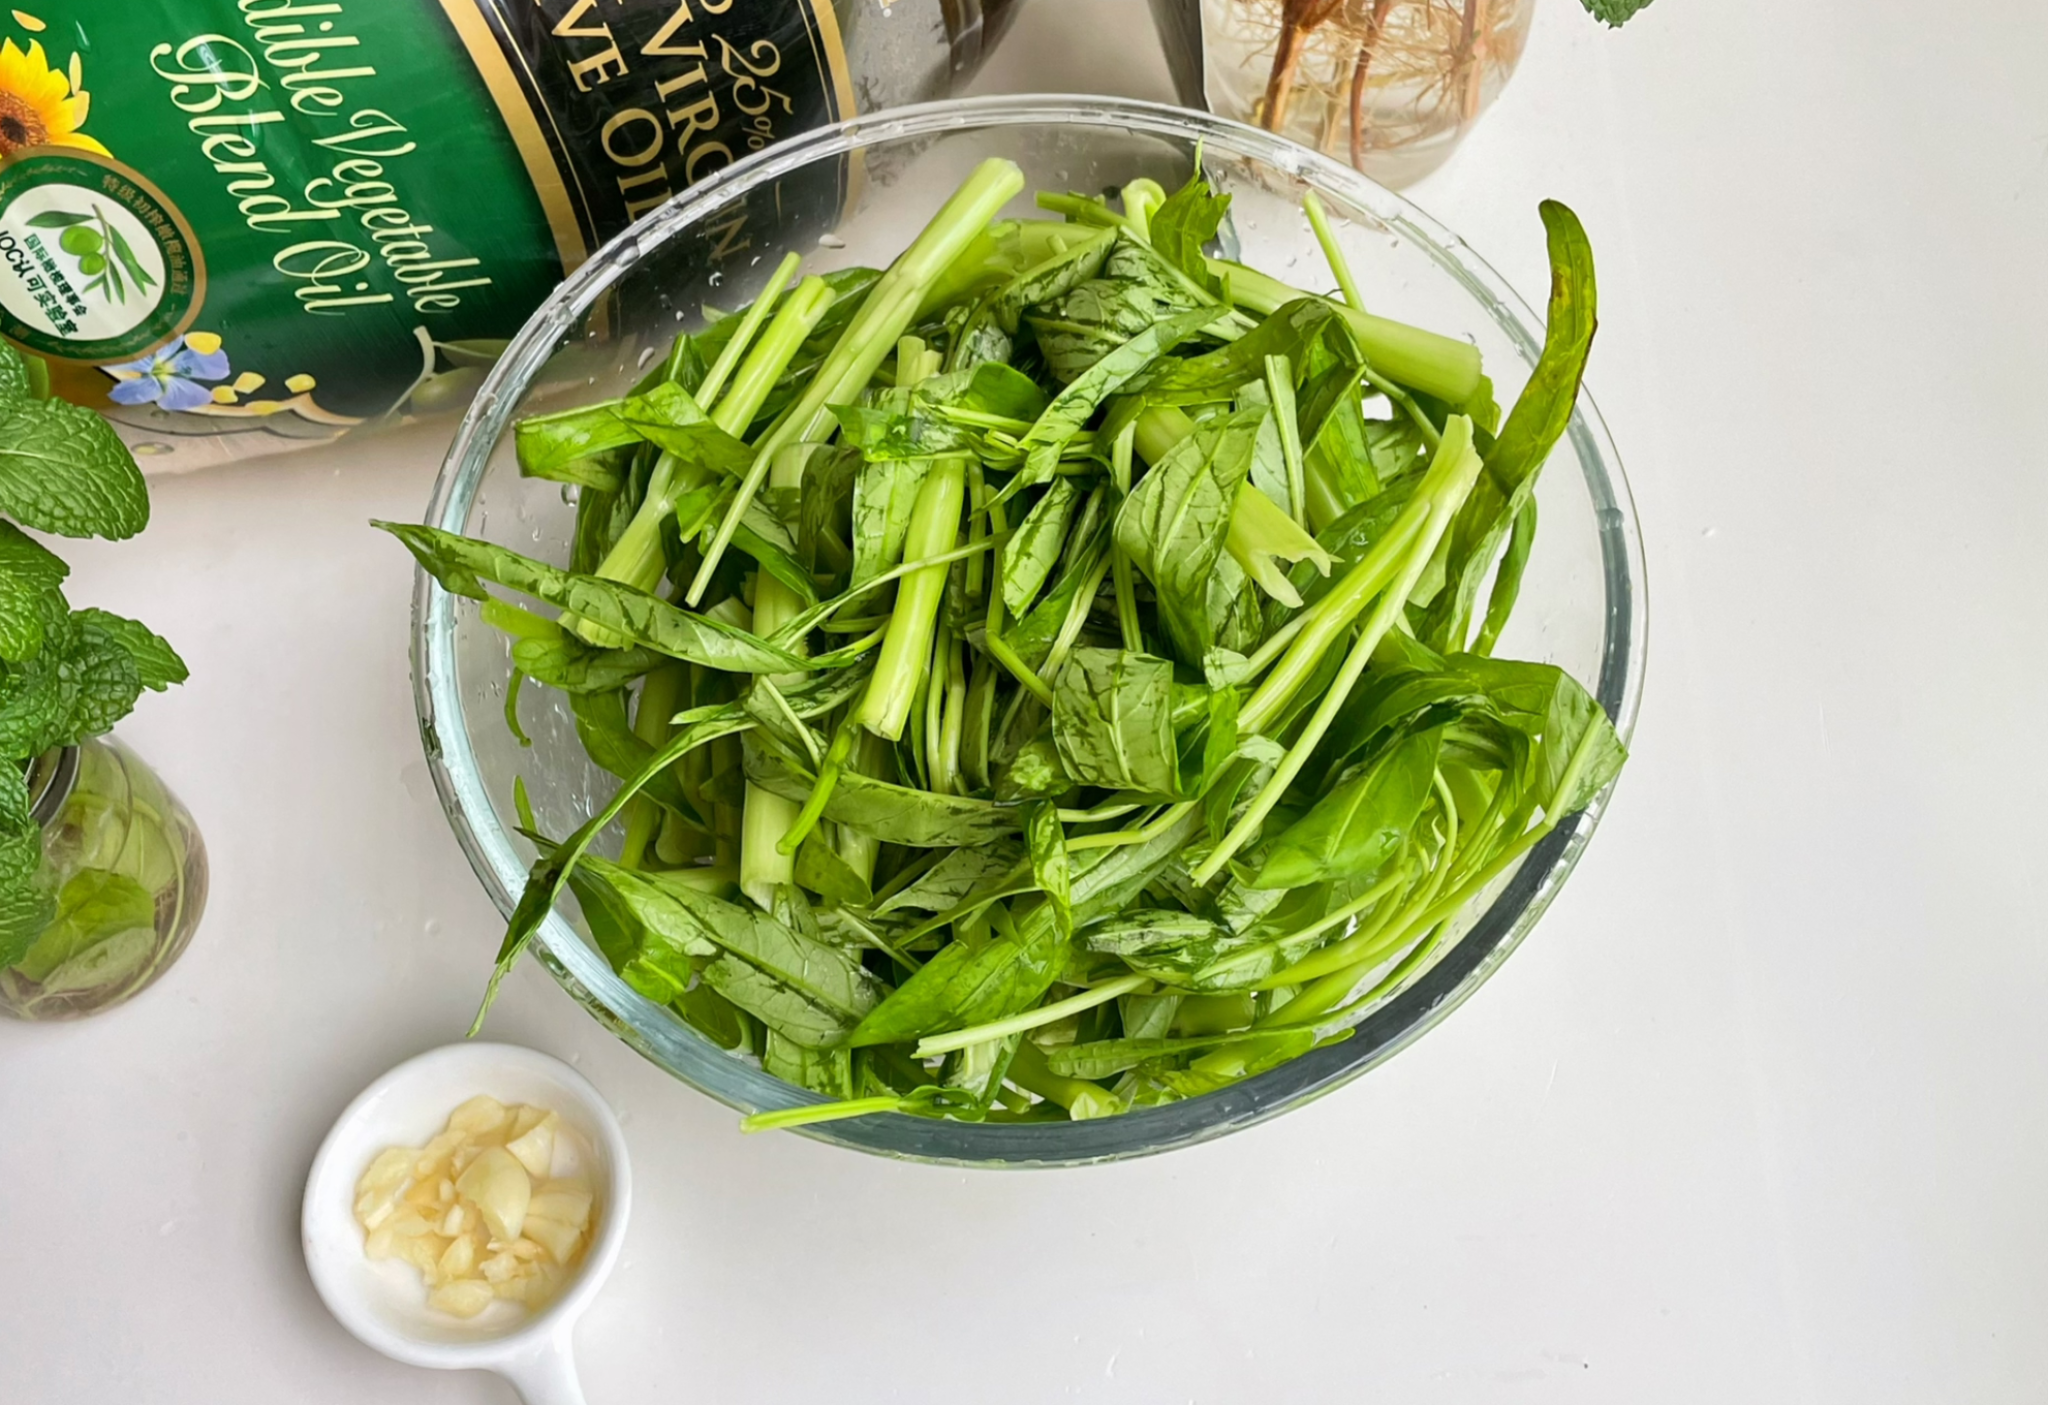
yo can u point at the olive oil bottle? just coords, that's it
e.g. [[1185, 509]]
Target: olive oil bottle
[[235, 226]]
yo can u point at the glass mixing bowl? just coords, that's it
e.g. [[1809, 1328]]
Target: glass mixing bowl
[[857, 193]]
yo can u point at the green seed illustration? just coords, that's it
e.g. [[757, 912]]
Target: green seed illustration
[[80, 240], [92, 264]]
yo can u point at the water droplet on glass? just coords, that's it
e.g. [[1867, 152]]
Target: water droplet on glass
[[646, 355], [833, 241]]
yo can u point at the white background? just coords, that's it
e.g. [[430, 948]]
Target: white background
[[1757, 1115]]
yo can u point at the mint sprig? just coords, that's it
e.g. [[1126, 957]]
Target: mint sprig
[[65, 674], [1614, 12]]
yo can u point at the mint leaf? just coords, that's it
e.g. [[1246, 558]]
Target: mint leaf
[[64, 470], [25, 905], [156, 662], [16, 384], [94, 906], [108, 680], [79, 684], [1613, 12], [28, 572]]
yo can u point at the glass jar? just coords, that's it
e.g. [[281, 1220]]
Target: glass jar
[[125, 866], [1391, 86]]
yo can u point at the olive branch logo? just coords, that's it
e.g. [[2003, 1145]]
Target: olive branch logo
[[101, 250]]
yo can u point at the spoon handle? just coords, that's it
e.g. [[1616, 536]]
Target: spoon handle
[[547, 1376]]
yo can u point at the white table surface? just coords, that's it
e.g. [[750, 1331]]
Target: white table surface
[[1759, 1114]]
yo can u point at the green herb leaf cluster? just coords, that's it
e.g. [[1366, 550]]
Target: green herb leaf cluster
[[65, 674], [1053, 675]]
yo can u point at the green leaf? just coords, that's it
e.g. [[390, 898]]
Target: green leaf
[[820, 869], [461, 565], [64, 470], [1035, 772], [1359, 827], [1106, 1058], [1507, 581], [988, 388], [957, 878], [894, 814], [611, 742], [1575, 750], [698, 924], [17, 382], [79, 684], [884, 494], [762, 536], [669, 419], [1051, 278], [784, 1010], [156, 663], [566, 662], [1077, 330], [883, 432], [93, 906], [1186, 223], [1295, 330], [26, 905], [1051, 869], [28, 572], [613, 926], [1030, 555], [1614, 12], [712, 1016], [1174, 523], [971, 983], [557, 446], [1112, 717], [58, 219], [1076, 405], [825, 1071], [1541, 415]]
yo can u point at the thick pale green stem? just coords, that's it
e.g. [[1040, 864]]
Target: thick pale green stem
[[659, 694], [768, 816], [743, 335], [907, 647], [1082, 1100], [1141, 197], [636, 559], [860, 849], [1426, 361], [871, 335], [1120, 563], [1031, 1019], [1340, 266]]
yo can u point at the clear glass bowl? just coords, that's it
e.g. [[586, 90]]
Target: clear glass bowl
[[857, 193]]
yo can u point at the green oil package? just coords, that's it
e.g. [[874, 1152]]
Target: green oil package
[[235, 226]]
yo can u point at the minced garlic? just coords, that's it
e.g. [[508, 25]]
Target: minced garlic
[[477, 1209]]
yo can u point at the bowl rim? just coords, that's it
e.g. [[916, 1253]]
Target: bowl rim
[[668, 1042]]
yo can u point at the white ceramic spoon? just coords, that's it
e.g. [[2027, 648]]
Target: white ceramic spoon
[[385, 1304]]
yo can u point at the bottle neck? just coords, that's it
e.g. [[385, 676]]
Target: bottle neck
[[51, 777]]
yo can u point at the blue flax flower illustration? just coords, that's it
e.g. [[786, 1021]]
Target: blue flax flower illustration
[[169, 377]]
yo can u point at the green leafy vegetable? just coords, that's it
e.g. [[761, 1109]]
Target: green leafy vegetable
[[1098, 709]]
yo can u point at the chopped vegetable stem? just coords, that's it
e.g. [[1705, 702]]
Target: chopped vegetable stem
[[1340, 267]]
